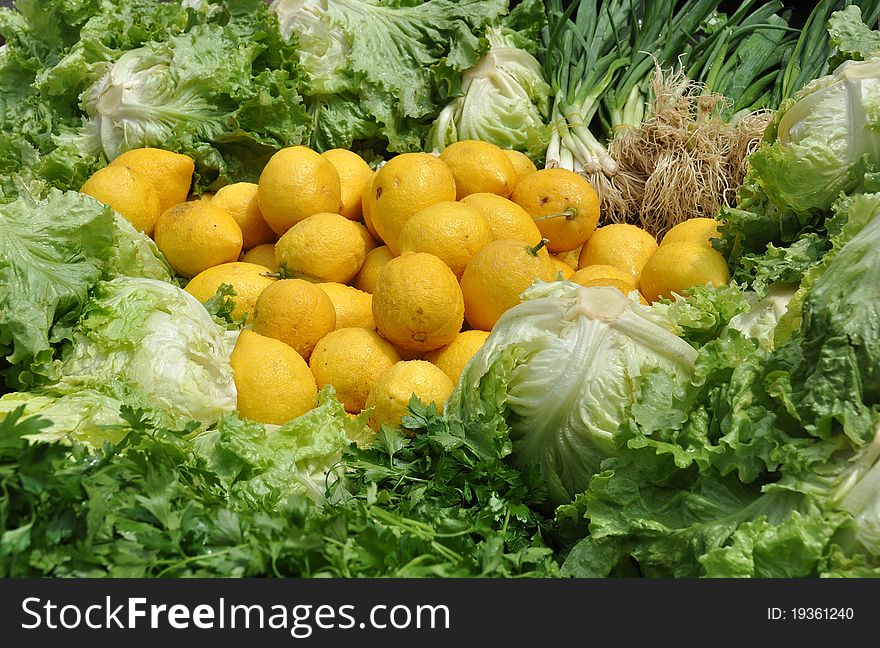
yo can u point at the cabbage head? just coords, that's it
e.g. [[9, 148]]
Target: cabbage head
[[559, 373], [823, 140]]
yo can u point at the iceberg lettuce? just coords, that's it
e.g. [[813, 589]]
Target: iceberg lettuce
[[560, 370], [140, 343], [53, 250]]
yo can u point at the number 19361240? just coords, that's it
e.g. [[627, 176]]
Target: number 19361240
[[810, 614]]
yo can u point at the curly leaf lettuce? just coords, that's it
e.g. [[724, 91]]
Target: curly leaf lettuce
[[53, 250], [391, 65]]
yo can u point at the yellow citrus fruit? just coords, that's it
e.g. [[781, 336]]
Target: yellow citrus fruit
[[451, 231], [263, 254], [404, 185], [296, 183], [274, 383], [296, 312], [522, 164], [128, 192], [507, 220], [389, 398], [453, 358], [353, 307], [624, 246], [417, 302], [696, 230], [571, 257], [365, 207], [496, 276], [248, 280], [354, 178], [351, 359], [240, 200], [563, 204], [197, 235], [603, 271], [561, 266], [675, 267], [369, 242], [171, 173], [322, 247], [375, 260], [479, 167]]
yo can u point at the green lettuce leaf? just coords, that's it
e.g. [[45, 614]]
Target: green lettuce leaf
[[142, 344], [54, 250], [400, 61], [262, 466], [504, 96]]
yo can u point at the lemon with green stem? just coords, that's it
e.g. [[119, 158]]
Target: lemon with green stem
[[563, 204], [497, 275]]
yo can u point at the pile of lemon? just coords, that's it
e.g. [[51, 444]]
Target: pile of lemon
[[385, 282]]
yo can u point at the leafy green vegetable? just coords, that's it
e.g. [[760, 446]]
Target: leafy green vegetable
[[823, 140], [142, 343], [151, 73], [157, 504], [379, 71], [505, 99], [764, 465], [560, 370], [52, 251]]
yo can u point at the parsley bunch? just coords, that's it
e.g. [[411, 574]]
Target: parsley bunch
[[151, 506]]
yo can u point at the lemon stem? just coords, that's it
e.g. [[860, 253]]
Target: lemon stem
[[568, 214], [533, 250]]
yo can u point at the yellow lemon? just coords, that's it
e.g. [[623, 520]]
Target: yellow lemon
[[451, 231], [496, 276], [354, 308], [296, 312], [675, 267], [571, 257], [240, 200], [369, 242], [296, 183], [128, 192], [274, 383], [404, 185], [376, 258], [453, 358], [248, 280], [561, 266], [417, 302], [354, 178], [365, 208], [171, 173], [696, 230], [263, 254], [507, 220], [351, 359], [603, 271], [389, 398], [522, 164], [197, 235], [479, 167], [322, 247], [623, 246], [563, 204]]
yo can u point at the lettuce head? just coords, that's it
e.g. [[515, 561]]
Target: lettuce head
[[557, 374]]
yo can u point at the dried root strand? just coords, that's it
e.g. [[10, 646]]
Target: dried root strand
[[683, 161]]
